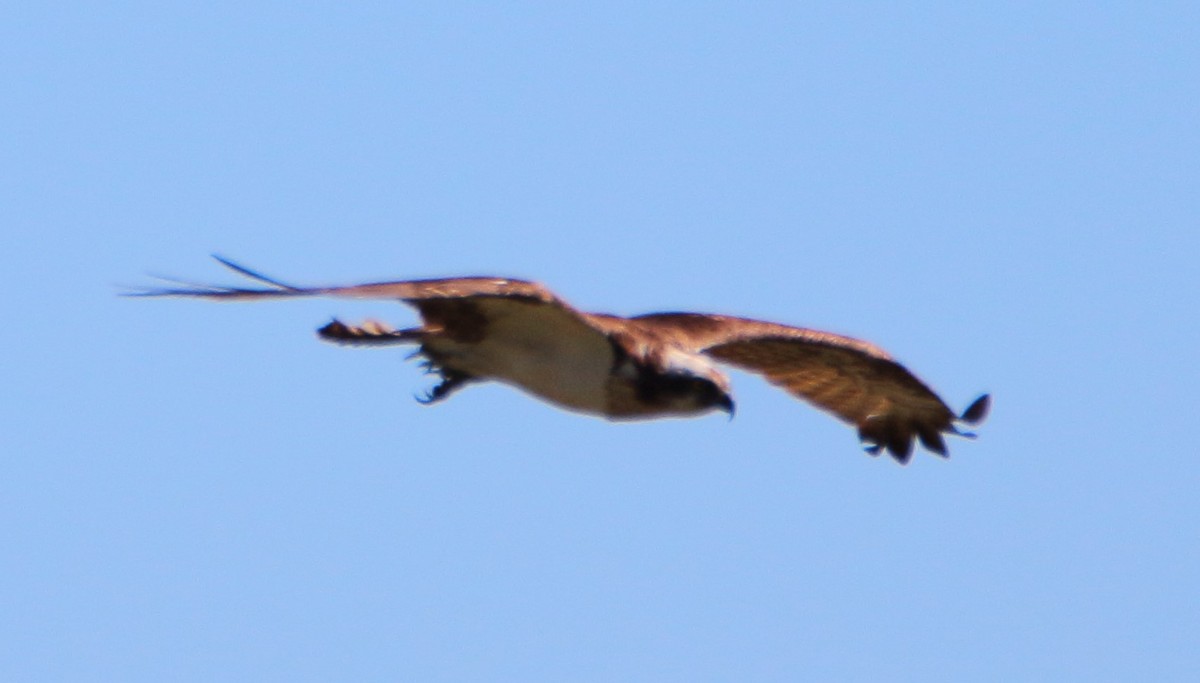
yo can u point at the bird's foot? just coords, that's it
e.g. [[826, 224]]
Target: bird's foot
[[452, 381]]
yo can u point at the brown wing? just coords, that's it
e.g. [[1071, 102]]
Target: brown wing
[[412, 291], [852, 379], [516, 313]]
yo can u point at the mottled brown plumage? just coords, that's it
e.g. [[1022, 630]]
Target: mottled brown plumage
[[520, 333]]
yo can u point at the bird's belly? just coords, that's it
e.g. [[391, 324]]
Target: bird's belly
[[570, 375]]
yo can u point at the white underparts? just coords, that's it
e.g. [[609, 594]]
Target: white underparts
[[542, 351]]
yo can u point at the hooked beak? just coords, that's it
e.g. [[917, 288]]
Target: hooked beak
[[726, 404]]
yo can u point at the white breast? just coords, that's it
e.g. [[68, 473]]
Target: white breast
[[542, 349]]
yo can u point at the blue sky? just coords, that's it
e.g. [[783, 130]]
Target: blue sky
[[1004, 197]]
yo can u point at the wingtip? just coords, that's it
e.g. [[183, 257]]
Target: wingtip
[[873, 449], [252, 274], [978, 410], [932, 440], [179, 288], [227, 262], [901, 452], [881, 434]]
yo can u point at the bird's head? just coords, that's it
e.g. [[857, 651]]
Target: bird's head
[[687, 385], [686, 394]]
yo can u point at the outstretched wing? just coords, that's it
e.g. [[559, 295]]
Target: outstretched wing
[[412, 291], [473, 328], [521, 314], [852, 379]]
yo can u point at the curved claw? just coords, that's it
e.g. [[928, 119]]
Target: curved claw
[[451, 381]]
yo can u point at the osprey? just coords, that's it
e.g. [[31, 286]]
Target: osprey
[[656, 365]]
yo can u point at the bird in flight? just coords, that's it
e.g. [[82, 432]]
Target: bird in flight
[[476, 329]]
